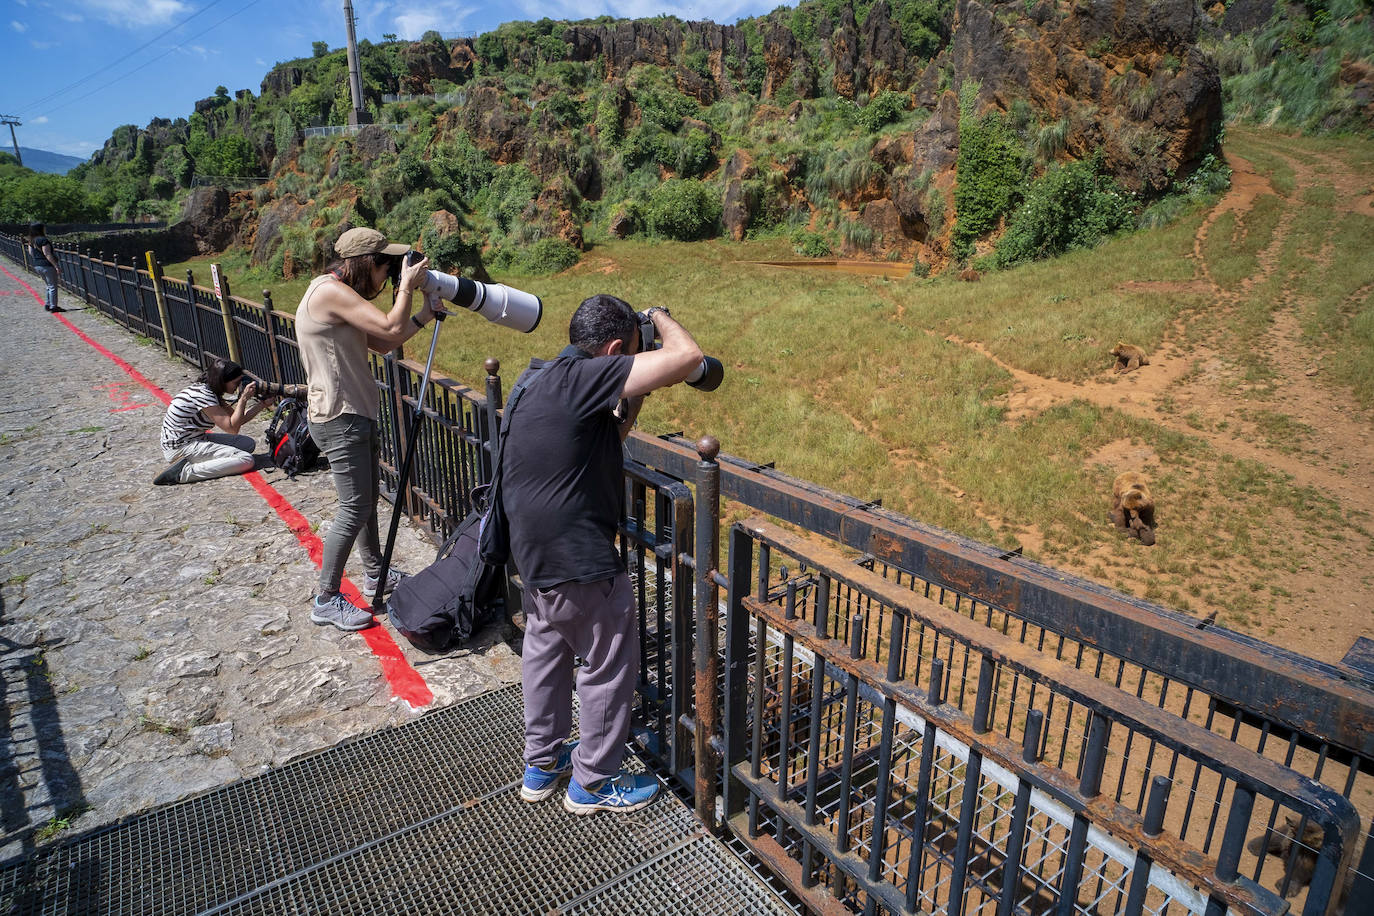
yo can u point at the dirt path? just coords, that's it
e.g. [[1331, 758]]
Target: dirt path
[[1193, 387]]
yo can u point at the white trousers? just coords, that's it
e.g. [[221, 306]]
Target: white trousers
[[214, 455]]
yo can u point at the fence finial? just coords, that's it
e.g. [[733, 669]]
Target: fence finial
[[708, 447]]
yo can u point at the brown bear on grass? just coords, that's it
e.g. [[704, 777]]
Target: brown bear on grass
[[1128, 357], [1133, 509]]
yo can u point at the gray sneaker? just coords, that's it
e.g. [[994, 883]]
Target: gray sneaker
[[340, 612], [370, 583]]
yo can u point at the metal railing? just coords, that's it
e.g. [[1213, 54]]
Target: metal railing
[[1082, 751]]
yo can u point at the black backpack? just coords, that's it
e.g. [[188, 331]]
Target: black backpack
[[465, 587], [456, 595], [288, 437]]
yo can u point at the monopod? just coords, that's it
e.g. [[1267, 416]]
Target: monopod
[[403, 477]]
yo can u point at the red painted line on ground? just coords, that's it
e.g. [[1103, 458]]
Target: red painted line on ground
[[406, 683]]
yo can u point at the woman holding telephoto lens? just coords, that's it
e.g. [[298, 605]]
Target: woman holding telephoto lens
[[336, 325]]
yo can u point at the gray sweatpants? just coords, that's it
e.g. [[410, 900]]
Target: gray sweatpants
[[352, 445], [596, 621]]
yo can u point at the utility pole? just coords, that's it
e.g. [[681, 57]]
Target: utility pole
[[359, 114], [13, 122]]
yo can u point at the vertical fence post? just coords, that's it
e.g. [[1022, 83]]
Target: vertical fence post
[[87, 283], [935, 694], [1154, 823], [119, 289], [707, 667], [973, 776], [231, 334], [1020, 815], [492, 429], [195, 317], [164, 317], [736, 666], [1232, 842], [269, 316], [882, 794], [1089, 785]]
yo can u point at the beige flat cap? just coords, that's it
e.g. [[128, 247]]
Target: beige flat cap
[[366, 241]]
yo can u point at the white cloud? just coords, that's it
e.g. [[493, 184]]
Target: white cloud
[[69, 16], [445, 17], [725, 11], [18, 26], [136, 13], [41, 119], [82, 148], [42, 45]]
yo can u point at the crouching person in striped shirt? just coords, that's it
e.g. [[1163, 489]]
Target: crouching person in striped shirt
[[194, 451]]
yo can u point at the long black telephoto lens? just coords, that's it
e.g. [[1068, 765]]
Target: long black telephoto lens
[[708, 375], [268, 389]]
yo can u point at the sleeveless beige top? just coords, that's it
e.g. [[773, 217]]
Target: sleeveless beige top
[[336, 367]]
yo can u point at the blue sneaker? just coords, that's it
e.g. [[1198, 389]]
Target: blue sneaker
[[626, 792], [540, 783]]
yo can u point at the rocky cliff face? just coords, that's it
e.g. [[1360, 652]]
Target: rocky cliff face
[[1121, 80]]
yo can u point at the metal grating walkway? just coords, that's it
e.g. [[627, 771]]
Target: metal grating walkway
[[422, 818]]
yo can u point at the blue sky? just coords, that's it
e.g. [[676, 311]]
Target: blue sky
[[74, 70]]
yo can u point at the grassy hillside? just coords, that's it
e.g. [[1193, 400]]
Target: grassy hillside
[[990, 408]]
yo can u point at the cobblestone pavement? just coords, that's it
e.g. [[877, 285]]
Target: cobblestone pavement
[[155, 641]]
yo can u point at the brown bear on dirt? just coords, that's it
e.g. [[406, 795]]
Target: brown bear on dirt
[[1281, 845], [1128, 357], [1133, 509]]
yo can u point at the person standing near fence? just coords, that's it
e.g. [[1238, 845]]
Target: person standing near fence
[[563, 491], [45, 262], [336, 325], [196, 453]]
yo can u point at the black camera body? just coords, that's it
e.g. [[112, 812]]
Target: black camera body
[[706, 377]]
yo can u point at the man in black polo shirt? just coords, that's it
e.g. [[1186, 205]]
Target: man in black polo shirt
[[563, 492]]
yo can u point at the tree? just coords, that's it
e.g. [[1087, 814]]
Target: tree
[[388, 36], [319, 48], [40, 197]]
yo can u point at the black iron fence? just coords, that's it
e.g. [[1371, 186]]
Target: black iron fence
[[895, 718]]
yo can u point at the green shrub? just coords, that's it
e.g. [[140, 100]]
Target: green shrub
[[1051, 140], [694, 154], [683, 209], [608, 125], [989, 178], [461, 167], [455, 252], [545, 256], [549, 256], [512, 188], [925, 24], [885, 107], [858, 236], [1070, 206], [810, 244], [407, 220]]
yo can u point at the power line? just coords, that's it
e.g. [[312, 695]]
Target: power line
[[94, 73], [153, 60]]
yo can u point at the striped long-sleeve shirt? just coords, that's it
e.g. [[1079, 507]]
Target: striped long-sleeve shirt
[[185, 419]]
